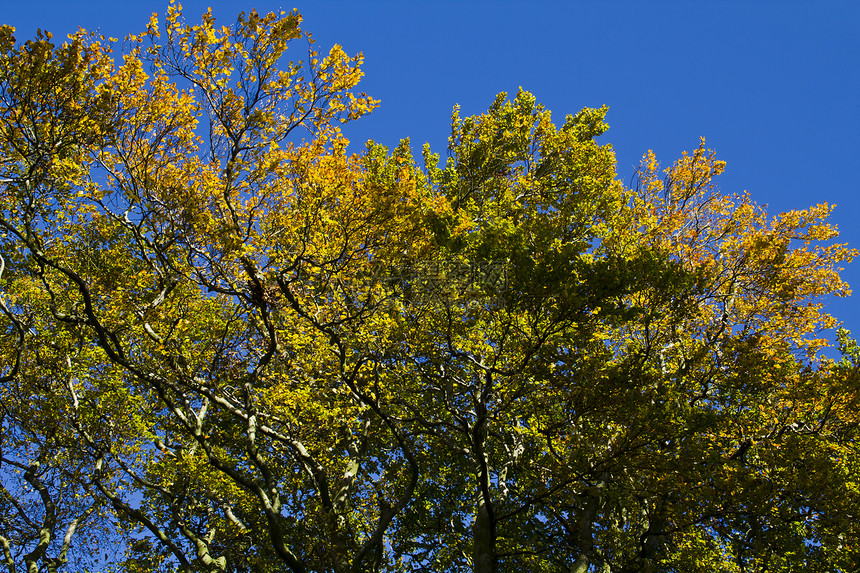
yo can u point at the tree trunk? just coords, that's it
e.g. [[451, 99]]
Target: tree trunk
[[484, 552]]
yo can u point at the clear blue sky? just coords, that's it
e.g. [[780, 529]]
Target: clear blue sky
[[773, 86]]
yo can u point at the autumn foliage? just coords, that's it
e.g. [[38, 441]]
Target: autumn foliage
[[229, 344]]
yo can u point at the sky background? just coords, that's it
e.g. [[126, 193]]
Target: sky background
[[773, 86]]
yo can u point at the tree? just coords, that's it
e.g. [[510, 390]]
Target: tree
[[230, 345]]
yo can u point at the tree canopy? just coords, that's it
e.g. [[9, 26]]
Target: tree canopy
[[230, 344]]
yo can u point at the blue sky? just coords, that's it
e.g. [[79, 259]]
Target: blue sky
[[773, 86]]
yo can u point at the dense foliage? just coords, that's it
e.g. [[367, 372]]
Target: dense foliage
[[230, 345]]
